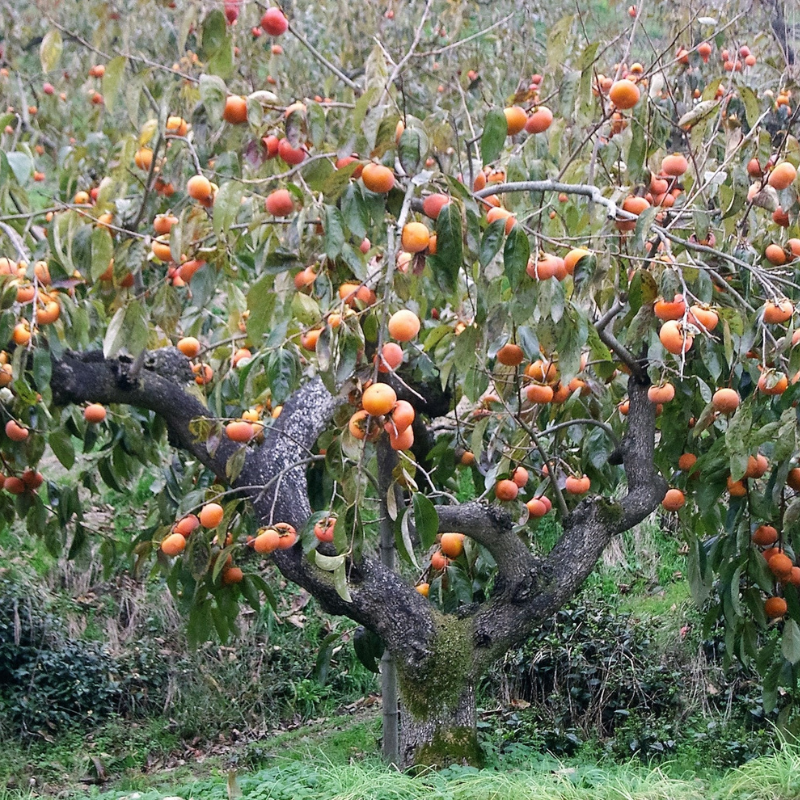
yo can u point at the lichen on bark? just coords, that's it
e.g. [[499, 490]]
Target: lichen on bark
[[447, 671]]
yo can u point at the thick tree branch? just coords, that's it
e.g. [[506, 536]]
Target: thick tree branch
[[492, 527], [500, 624], [158, 386]]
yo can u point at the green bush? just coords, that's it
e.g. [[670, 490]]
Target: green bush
[[49, 682]]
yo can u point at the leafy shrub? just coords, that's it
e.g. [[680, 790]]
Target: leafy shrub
[[49, 682], [595, 674]]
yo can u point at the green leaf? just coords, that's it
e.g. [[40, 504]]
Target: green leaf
[[340, 582], [405, 547], [369, 648], [127, 330], [751, 107], [235, 463], [21, 165], [305, 309], [426, 520], [221, 63], [102, 252], [283, 371], [516, 253], [412, 149], [643, 225], [61, 444], [214, 34], [492, 241], [328, 563], [790, 643], [736, 440], [334, 231], [112, 78], [495, 130], [50, 50], [643, 289], [261, 585], [42, 369], [226, 206], [466, 350], [446, 264], [354, 211], [213, 93], [261, 300]]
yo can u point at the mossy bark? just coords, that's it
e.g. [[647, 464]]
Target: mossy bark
[[437, 717], [446, 735]]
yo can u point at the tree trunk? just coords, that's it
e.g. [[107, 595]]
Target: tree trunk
[[445, 734]]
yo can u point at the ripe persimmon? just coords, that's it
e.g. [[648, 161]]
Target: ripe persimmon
[[390, 357], [624, 94], [235, 111], [765, 535], [439, 561], [736, 488], [274, 22], [572, 258], [401, 440], [661, 393], [726, 401], [674, 165], [703, 317], [433, 204], [687, 461], [266, 541], [510, 355], [780, 566], [536, 508], [506, 490], [402, 416], [186, 525], [404, 325], [239, 431], [516, 118], [452, 544], [173, 545], [775, 254], [279, 203], [775, 607], [539, 393], [211, 515], [575, 485], [670, 309], [776, 313], [539, 121], [520, 477], [198, 187], [377, 178], [674, 338], [782, 175], [415, 237], [143, 158], [378, 399], [94, 413], [673, 500], [189, 346], [15, 431]]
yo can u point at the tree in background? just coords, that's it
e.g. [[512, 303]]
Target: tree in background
[[393, 304]]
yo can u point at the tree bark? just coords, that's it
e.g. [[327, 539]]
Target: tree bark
[[439, 658], [446, 734]]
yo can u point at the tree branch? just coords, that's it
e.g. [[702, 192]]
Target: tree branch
[[90, 377]]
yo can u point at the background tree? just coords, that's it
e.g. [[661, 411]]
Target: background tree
[[429, 302]]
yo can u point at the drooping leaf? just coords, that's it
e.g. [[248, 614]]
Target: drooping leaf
[[495, 130], [50, 50]]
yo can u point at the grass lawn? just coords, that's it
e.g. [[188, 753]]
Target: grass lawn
[[330, 761]]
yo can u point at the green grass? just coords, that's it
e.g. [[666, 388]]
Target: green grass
[[319, 776]]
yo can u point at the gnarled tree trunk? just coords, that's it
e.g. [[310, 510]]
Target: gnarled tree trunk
[[439, 657], [444, 733]]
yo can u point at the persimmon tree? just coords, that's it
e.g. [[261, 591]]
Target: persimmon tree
[[377, 305]]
